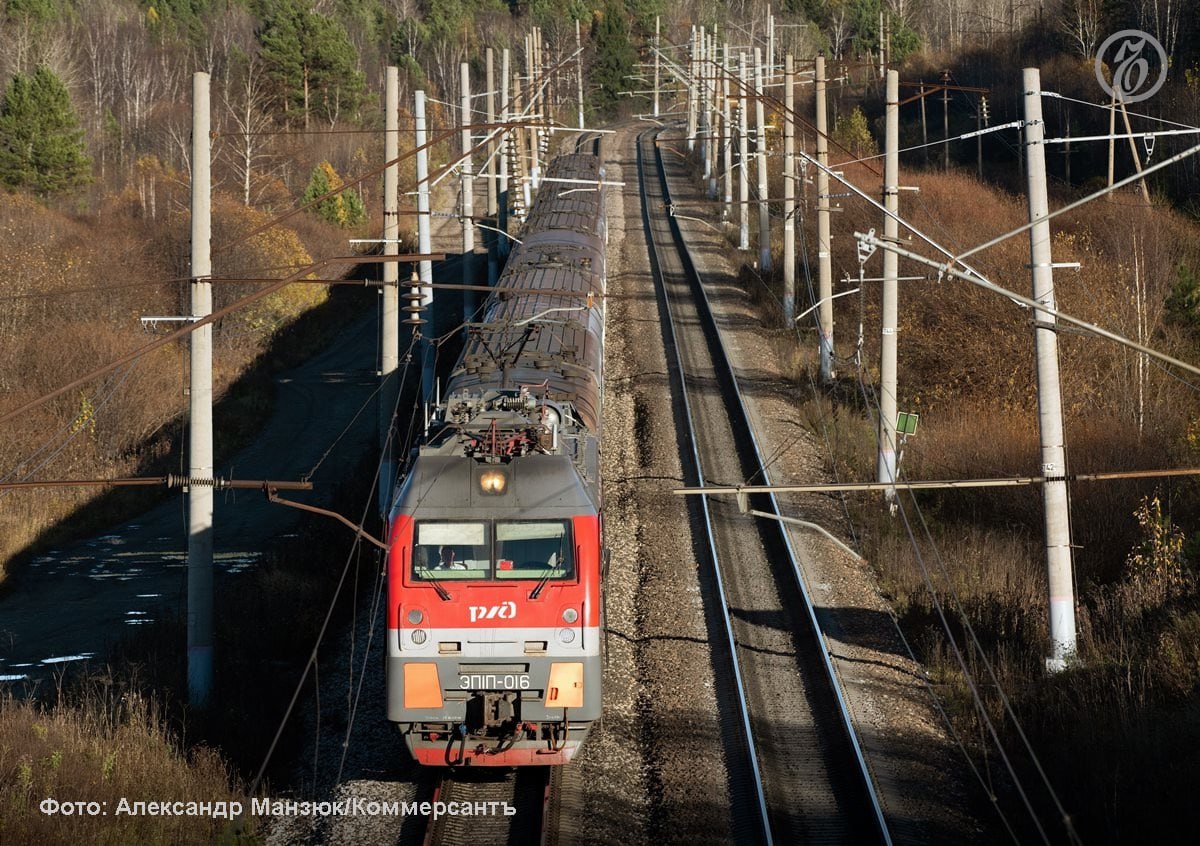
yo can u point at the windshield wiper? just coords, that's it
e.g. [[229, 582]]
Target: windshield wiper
[[442, 593], [549, 572], [542, 582]]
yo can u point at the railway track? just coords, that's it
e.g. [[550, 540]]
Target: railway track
[[802, 777], [531, 791]]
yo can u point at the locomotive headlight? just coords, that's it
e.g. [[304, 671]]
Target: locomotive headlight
[[419, 636], [493, 482], [415, 616], [570, 615], [566, 635]]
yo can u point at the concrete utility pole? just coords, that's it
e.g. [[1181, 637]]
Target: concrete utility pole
[[789, 192], [891, 294], [980, 108], [657, 48], [1050, 420], [946, 119], [824, 241], [200, 419], [711, 92], [882, 38], [691, 117], [770, 46], [519, 150], [424, 244], [534, 100], [702, 120], [490, 101], [744, 158], [389, 328], [760, 144], [468, 194], [579, 73], [726, 131], [493, 190], [502, 243], [1112, 148]]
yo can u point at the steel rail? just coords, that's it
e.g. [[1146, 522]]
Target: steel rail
[[706, 314], [527, 790], [726, 615]]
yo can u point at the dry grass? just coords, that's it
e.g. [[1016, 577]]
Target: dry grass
[[61, 318], [114, 746], [1115, 732]]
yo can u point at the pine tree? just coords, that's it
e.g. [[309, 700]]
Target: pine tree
[[615, 56], [312, 61], [41, 142]]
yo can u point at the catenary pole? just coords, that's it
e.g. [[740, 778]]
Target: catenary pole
[[534, 103], [824, 248], [493, 187], [770, 45], [946, 119], [691, 102], [389, 318], [760, 149], [657, 48], [579, 73], [1050, 419], [490, 102], [200, 419], [424, 245], [727, 132], [702, 100], [468, 193], [502, 243], [711, 119], [789, 192], [888, 349], [744, 158]]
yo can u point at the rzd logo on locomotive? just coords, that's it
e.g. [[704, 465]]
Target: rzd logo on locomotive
[[503, 611]]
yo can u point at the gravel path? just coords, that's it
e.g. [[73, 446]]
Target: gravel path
[[655, 773]]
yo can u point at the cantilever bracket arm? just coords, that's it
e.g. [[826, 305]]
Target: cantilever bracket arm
[[274, 496]]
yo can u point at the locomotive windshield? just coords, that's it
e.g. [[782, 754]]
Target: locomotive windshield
[[500, 550]]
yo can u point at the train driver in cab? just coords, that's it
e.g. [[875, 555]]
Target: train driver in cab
[[447, 560]]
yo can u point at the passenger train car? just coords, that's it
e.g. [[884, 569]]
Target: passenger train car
[[495, 597]]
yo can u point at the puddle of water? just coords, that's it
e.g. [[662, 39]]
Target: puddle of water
[[149, 595], [138, 621], [62, 659]]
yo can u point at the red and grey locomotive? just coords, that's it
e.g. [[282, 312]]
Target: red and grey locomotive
[[496, 550]]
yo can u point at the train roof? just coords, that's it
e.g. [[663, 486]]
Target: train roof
[[447, 487]]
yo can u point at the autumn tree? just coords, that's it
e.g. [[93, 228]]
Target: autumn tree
[[342, 209], [41, 142]]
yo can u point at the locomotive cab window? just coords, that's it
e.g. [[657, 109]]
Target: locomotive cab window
[[445, 550], [504, 550], [530, 549]]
